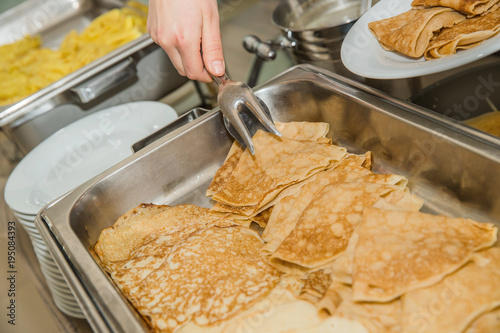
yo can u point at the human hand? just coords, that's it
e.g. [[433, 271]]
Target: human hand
[[185, 29]]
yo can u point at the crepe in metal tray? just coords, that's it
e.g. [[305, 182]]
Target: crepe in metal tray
[[327, 223], [410, 32], [287, 211], [465, 35], [376, 317], [209, 277], [486, 323], [470, 7], [341, 269], [399, 251], [255, 182], [301, 131], [131, 229], [452, 304]]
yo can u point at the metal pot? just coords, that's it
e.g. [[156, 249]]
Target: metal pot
[[312, 30], [316, 28]]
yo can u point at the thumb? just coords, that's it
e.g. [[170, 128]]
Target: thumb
[[214, 59], [211, 44]]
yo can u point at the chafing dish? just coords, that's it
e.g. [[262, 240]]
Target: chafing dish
[[452, 170], [139, 70]]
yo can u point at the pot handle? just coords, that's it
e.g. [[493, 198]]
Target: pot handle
[[105, 82], [264, 51]]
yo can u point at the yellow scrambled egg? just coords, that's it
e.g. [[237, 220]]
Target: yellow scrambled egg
[[26, 66]]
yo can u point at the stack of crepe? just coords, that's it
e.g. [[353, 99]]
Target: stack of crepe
[[182, 264], [438, 28], [247, 185], [341, 249]]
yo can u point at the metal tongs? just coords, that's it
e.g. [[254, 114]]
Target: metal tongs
[[244, 113]]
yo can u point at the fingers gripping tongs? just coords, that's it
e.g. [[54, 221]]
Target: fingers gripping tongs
[[244, 113]]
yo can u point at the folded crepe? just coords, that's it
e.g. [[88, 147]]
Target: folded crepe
[[300, 131], [455, 302], [400, 251], [486, 323], [129, 231], [280, 312], [469, 7], [464, 35], [211, 276], [341, 269], [325, 226], [249, 184], [337, 303], [287, 212], [277, 162], [410, 32]]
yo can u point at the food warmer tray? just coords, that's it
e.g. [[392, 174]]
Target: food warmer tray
[[139, 70], [453, 171]]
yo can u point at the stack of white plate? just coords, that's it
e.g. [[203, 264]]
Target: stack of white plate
[[67, 159]]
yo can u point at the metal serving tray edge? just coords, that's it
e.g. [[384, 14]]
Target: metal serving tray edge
[[138, 70], [454, 171]]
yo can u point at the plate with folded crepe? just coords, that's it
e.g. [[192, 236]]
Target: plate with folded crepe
[[400, 39]]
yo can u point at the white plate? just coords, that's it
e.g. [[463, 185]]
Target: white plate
[[30, 217], [80, 151], [362, 54]]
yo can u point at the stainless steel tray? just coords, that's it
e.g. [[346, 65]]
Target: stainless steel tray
[[185, 119], [139, 70], [454, 172]]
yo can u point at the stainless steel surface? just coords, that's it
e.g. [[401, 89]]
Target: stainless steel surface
[[139, 70], [446, 166], [312, 32], [244, 114], [317, 27], [464, 95], [365, 6], [184, 119], [49, 18]]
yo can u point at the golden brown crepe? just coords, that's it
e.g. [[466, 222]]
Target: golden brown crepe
[[469, 7], [116, 242], [452, 304], [341, 269], [277, 162], [315, 286], [486, 323], [376, 317], [281, 302], [399, 251], [278, 168], [326, 225], [141, 239], [410, 32], [464, 35], [300, 131], [209, 277], [288, 210], [303, 131], [225, 170]]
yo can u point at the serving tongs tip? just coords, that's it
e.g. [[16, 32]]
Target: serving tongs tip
[[235, 99]]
